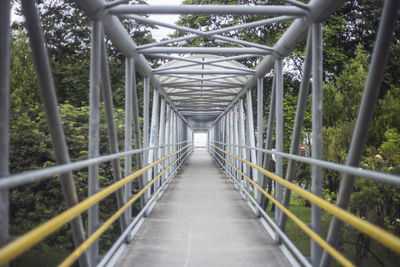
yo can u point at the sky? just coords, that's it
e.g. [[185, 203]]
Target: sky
[[163, 32]]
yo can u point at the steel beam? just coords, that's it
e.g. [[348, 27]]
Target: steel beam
[[112, 132], [203, 50], [297, 127], [267, 164], [167, 135], [218, 59], [230, 67], [153, 138], [197, 32], [260, 132], [146, 127], [316, 153], [242, 142], [218, 31], [199, 100], [186, 85], [278, 133], [208, 10], [171, 136], [5, 9], [136, 132], [203, 86], [251, 139], [214, 78], [94, 133], [49, 99], [236, 140], [129, 69], [194, 92], [228, 141], [174, 135]]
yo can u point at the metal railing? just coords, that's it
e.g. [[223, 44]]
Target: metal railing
[[165, 133], [23, 243], [225, 159]]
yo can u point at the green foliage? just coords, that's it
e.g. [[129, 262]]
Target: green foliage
[[378, 202], [23, 80], [374, 201], [342, 96], [39, 256], [31, 148]]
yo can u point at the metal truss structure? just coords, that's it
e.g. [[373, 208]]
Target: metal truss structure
[[198, 89]]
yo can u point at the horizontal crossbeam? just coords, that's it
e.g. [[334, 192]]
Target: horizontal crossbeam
[[208, 9], [203, 50]]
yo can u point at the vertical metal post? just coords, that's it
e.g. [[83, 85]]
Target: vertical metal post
[[171, 137], [316, 153], [365, 113], [146, 109], [179, 136], [175, 134], [112, 132], [129, 66], [268, 143], [223, 133], [298, 125], [260, 118], [136, 132], [176, 140], [47, 92], [94, 132], [153, 139], [167, 137], [242, 142], [231, 150], [236, 139], [279, 131], [5, 9], [251, 138], [214, 136], [228, 140], [161, 141]]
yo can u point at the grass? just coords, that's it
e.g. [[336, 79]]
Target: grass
[[302, 241], [299, 238], [41, 255]]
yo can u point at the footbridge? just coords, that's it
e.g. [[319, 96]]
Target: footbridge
[[198, 206]]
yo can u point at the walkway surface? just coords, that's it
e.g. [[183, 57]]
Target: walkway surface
[[202, 221]]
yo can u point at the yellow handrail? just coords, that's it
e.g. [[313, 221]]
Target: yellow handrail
[[23, 243], [85, 245], [335, 254], [377, 233]]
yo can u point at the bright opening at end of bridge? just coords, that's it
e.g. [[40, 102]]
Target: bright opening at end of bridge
[[200, 139]]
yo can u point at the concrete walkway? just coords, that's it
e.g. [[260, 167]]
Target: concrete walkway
[[201, 220]]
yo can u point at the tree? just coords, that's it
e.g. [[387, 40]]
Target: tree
[[378, 202], [342, 96], [67, 34], [23, 79]]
